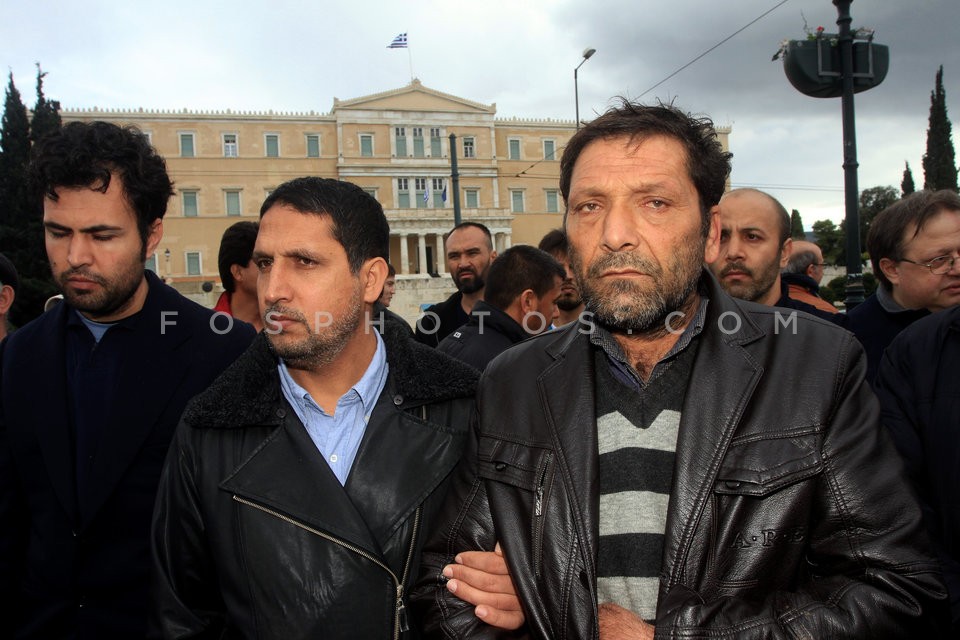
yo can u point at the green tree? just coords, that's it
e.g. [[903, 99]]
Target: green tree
[[796, 226], [873, 201], [939, 162], [14, 155], [21, 227], [836, 290], [46, 113], [906, 185], [830, 240]]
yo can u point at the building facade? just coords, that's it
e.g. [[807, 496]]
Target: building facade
[[395, 144]]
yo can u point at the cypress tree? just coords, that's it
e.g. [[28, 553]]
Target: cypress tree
[[796, 226], [939, 162], [46, 113], [906, 185], [14, 155]]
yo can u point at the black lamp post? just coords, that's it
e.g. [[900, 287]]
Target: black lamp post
[[576, 95]]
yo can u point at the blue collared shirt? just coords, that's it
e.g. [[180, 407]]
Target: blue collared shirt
[[338, 436]]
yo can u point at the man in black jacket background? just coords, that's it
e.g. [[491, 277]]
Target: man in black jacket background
[[523, 285]]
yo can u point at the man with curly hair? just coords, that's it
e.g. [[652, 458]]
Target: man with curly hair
[[90, 392]]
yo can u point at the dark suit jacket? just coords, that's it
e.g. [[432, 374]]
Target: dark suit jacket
[[74, 564]]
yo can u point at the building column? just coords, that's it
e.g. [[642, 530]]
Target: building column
[[441, 256], [422, 252], [404, 255]]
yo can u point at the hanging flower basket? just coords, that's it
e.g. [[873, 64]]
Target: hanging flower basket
[[813, 65]]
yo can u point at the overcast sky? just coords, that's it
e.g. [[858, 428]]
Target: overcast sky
[[297, 56]]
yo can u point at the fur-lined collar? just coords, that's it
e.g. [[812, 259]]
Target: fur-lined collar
[[248, 391]]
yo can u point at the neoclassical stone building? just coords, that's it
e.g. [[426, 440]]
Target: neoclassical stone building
[[395, 144]]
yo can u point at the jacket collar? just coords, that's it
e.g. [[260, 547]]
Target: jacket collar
[[497, 320], [707, 424], [248, 391]]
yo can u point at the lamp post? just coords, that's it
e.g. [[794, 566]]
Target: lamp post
[[166, 254], [576, 95]]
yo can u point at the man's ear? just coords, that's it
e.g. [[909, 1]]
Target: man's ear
[[154, 236], [237, 272], [712, 249], [6, 299], [373, 273], [890, 269], [528, 301], [785, 252]]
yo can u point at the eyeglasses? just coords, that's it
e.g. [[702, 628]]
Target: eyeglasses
[[938, 266]]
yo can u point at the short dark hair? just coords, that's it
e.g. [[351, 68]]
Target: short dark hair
[[391, 271], [707, 163], [8, 273], [555, 243], [359, 224], [885, 238], [477, 225], [517, 269], [236, 247], [86, 154]]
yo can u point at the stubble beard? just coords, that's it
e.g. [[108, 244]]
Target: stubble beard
[[758, 285], [113, 294], [627, 306], [321, 346]]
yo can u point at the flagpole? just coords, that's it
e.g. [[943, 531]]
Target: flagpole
[[410, 58]]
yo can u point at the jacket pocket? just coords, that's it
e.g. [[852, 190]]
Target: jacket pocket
[[761, 466], [530, 469]]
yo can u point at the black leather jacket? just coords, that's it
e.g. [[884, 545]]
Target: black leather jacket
[[253, 536], [789, 515]]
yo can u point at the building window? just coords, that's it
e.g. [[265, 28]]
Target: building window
[[186, 146], [193, 263], [366, 145], [403, 193], [190, 208], [271, 144], [233, 202], [471, 198], [313, 145], [418, 142], [371, 191], [516, 200], [552, 197], [439, 193], [149, 135], [549, 150], [420, 187], [400, 141], [514, 146], [151, 264], [469, 148], [230, 145], [436, 149]]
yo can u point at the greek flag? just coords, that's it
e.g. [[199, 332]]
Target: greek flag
[[426, 192], [400, 42], [444, 194]]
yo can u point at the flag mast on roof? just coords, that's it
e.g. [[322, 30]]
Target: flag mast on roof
[[400, 42]]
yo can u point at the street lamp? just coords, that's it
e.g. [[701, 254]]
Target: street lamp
[[576, 96], [166, 254]]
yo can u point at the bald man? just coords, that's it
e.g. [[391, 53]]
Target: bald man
[[755, 245], [804, 273]]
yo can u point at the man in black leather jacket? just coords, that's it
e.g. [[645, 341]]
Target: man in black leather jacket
[[678, 466], [301, 485]]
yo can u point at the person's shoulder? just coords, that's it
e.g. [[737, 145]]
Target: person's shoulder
[[176, 312], [926, 335], [424, 372], [34, 336]]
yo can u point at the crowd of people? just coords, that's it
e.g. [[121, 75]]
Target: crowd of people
[[651, 425]]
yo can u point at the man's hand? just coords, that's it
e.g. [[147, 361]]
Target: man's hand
[[617, 623], [482, 579]]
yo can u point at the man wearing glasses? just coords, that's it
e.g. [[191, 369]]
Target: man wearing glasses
[[914, 246], [804, 273]]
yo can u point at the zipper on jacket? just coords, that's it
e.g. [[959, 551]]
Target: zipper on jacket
[[538, 513], [400, 621]]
